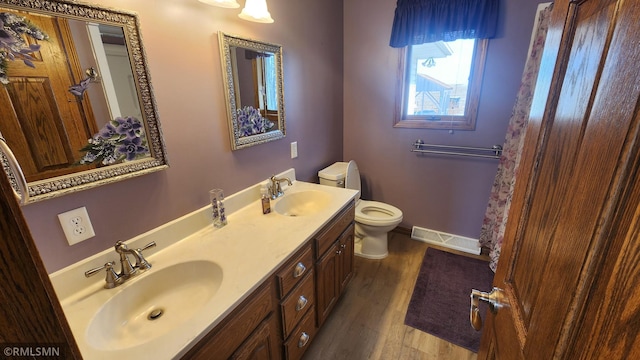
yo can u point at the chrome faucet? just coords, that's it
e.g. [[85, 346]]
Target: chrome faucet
[[275, 190], [127, 270]]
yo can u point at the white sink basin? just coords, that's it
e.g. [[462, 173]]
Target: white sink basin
[[302, 203], [153, 305]]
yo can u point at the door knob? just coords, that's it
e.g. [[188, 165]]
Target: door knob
[[495, 299]]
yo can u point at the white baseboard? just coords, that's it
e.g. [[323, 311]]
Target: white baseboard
[[443, 239]]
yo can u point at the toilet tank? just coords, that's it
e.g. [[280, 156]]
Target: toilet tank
[[333, 175]]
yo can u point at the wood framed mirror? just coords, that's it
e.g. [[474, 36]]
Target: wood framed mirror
[[252, 74], [76, 99]]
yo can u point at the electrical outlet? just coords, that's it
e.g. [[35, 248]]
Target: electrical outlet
[[76, 225], [294, 149]]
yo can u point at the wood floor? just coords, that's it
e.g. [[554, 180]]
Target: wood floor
[[368, 321]]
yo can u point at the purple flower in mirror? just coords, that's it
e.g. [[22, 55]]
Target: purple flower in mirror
[[130, 126], [121, 139], [108, 131], [132, 147], [79, 89], [12, 43], [250, 122], [99, 150]]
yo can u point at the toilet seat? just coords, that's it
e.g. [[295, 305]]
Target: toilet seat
[[376, 213], [373, 219], [373, 213]]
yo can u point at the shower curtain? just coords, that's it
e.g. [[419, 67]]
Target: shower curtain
[[493, 227]]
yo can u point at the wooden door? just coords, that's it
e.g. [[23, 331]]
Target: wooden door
[[30, 314], [44, 124], [569, 266]]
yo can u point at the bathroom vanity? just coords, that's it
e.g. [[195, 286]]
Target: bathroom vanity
[[258, 288], [281, 318]]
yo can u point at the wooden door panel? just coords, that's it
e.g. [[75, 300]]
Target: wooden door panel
[[44, 124], [40, 124], [597, 176], [575, 170], [615, 333], [562, 147]]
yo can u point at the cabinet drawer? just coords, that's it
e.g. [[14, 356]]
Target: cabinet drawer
[[301, 337], [297, 303], [294, 271], [328, 236]]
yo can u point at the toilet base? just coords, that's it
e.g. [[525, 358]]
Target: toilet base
[[371, 247], [358, 253]]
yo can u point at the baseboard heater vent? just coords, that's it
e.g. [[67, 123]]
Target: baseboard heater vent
[[450, 241]]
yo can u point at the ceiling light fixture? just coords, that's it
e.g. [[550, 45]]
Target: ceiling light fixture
[[256, 10]]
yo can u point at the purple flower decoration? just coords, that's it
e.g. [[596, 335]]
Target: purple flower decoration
[[12, 44], [79, 89], [129, 126], [108, 131], [250, 122], [122, 139], [132, 147]]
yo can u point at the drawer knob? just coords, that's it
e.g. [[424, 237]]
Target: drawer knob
[[299, 270], [302, 302], [304, 339]]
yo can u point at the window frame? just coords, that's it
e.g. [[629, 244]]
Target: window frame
[[442, 122]]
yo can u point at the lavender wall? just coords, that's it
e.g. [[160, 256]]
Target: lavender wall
[[180, 37], [442, 193]]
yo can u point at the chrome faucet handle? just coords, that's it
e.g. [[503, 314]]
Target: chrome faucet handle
[[142, 263], [112, 279], [126, 269]]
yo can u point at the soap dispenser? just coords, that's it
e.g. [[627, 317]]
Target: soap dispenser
[[266, 201]]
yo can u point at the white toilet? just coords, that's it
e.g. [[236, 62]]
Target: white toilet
[[373, 219]]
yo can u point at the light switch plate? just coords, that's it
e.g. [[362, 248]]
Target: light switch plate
[[76, 225], [294, 149]]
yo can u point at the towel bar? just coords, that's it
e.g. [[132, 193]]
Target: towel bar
[[421, 147]]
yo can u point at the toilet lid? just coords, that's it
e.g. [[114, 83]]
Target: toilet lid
[[352, 179]]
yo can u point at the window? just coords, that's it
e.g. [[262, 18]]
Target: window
[[439, 84]]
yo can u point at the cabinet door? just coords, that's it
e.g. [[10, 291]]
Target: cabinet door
[[239, 326], [260, 345], [345, 258], [327, 288]]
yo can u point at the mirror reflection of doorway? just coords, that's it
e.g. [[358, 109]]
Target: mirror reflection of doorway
[[44, 124]]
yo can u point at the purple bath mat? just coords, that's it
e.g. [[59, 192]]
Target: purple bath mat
[[440, 301]]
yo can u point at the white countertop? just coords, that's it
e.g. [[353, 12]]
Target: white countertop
[[249, 249]]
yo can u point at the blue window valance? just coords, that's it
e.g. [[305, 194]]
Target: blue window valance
[[422, 21]]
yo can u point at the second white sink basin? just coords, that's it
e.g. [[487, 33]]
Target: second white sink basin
[[302, 203], [153, 305]]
